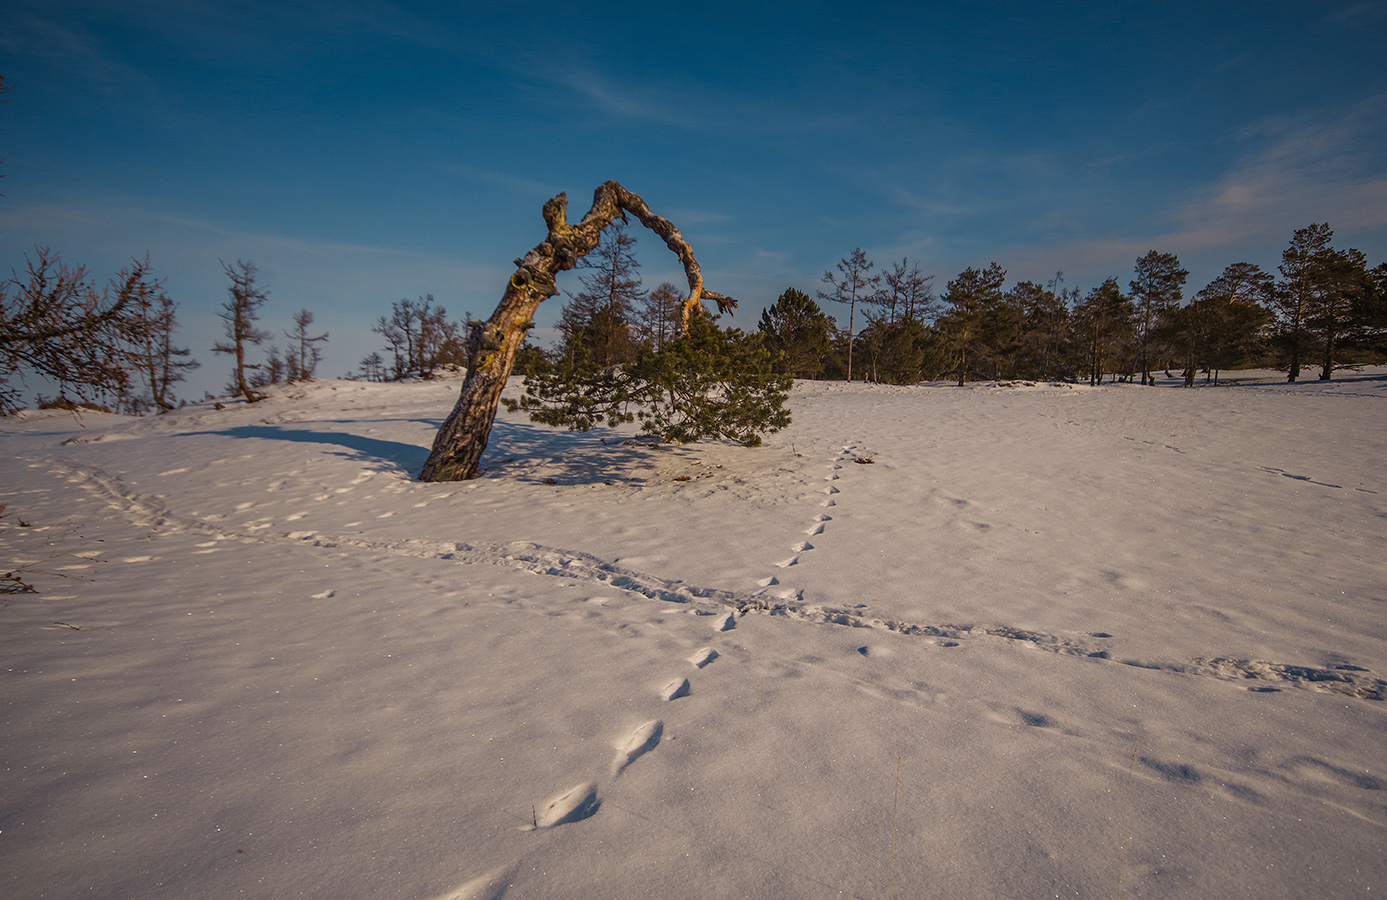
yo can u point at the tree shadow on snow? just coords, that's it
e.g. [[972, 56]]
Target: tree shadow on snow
[[517, 451], [538, 454], [396, 455]]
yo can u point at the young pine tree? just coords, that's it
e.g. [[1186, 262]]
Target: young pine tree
[[1104, 330], [706, 383], [976, 317], [797, 330]]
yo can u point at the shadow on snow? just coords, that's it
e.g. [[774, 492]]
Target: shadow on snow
[[517, 451]]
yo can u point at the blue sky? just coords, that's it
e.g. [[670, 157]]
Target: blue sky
[[359, 152]]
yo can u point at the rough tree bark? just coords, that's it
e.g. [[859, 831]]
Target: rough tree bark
[[458, 446]]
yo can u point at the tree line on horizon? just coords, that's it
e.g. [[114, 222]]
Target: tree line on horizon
[[1327, 308]]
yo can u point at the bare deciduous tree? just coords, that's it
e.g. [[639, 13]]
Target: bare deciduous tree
[[419, 336], [458, 446], [303, 356], [852, 286], [596, 322], [658, 319], [240, 312], [159, 363]]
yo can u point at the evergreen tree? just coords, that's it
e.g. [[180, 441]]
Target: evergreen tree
[[852, 285], [1372, 313], [795, 328], [1156, 291], [1240, 283], [1334, 312], [1104, 329], [1226, 323], [373, 367], [1042, 318], [707, 383], [977, 320], [274, 370], [1303, 267], [530, 360], [1213, 333], [897, 351]]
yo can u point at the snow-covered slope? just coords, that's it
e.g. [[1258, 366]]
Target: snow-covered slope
[[997, 641]]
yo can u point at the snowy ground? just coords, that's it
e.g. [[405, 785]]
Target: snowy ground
[[998, 641]]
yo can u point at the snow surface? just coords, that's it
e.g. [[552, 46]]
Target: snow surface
[[1010, 641]]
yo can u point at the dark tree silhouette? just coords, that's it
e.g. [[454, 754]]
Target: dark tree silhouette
[[56, 324], [976, 307], [1156, 292]]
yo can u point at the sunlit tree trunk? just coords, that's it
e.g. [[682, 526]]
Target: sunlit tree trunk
[[460, 442]]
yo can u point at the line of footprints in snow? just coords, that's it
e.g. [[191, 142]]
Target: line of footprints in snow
[[581, 801], [818, 525]]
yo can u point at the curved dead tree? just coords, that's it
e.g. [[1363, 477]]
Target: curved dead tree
[[458, 446]]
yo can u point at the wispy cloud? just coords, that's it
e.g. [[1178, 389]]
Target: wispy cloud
[[621, 101], [1296, 169], [1358, 12], [1304, 168], [33, 36], [525, 186], [187, 249]]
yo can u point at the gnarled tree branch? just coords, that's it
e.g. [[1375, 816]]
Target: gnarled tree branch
[[458, 446]]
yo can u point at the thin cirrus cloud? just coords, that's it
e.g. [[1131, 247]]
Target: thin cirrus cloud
[[1294, 170], [84, 56], [1309, 168]]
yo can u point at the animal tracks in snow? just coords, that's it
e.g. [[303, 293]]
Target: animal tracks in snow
[[817, 526], [582, 800], [573, 805], [677, 688], [788, 603], [642, 740]]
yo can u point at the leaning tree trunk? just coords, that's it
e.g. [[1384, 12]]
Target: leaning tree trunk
[[458, 446]]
